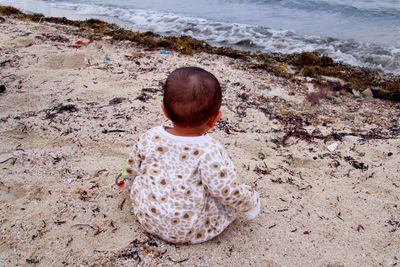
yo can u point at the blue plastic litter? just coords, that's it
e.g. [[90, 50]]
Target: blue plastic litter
[[107, 59], [165, 52]]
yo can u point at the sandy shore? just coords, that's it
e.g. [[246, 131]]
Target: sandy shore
[[68, 118]]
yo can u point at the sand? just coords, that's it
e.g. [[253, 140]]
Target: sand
[[68, 118]]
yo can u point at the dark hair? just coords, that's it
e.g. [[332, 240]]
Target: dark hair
[[191, 96]]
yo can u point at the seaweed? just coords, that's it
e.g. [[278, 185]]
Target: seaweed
[[9, 11], [52, 113], [356, 164]]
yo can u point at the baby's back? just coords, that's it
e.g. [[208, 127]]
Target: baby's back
[[170, 195]]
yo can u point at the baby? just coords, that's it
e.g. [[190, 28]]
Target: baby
[[184, 187]]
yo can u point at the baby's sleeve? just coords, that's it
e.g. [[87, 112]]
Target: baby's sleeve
[[220, 179], [133, 164]]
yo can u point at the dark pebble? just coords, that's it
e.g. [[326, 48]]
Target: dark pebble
[[2, 88], [390, 154], [116, 101]]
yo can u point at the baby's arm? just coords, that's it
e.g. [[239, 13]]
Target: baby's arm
[[219, 176], [132, 166], [133, 161]]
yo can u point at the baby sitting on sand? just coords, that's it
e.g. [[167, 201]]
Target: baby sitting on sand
[[184, 187]]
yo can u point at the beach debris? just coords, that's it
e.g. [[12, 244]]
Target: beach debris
[[143, 97], [332, 147], [96, 185], [133, 55], [262, 170], [83, 194], [388, 94], [2, 88], [367, 93], [360, 228], [52, 113], [41, 231], [32, 260], [390, 263], [58, 222], [245, 42], [333, 80], [114, 228], [13, 160], [277, 180], [120, 179], [97, 230], [178, 261], [79, 43], [55, 38], [57, 159], [395, 223], [69, 242], [107, 59], [152, 90], [116, 101], [121, 184], [105, 131], [5, 62], [356, 93], [68, 181], [121, 173], [225, 126], [100, 172], [121, 205], [164, 52], [132, 252], [322, 92], [336, 264], [261, 155], [137, 248], [356, 164], [339, 216]]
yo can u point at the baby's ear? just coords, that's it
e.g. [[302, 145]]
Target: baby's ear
[[214, 119], [165, 111]]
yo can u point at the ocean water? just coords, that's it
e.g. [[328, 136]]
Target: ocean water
[[358, 32]]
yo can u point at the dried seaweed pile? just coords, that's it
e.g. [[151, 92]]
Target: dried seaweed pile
[[294, 119]]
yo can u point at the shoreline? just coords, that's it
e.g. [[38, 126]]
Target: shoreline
[[325, 163], [291, 66], [221, 32]]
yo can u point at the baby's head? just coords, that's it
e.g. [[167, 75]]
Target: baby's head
[[192, 97]]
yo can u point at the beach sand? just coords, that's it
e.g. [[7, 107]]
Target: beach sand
[[68, 119]]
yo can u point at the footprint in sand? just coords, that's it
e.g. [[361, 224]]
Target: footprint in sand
[[9, 194], [25, 41], [66, 61], [18, 191], [304, 163]]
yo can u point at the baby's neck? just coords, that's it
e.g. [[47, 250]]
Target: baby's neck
[[187, 131]]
